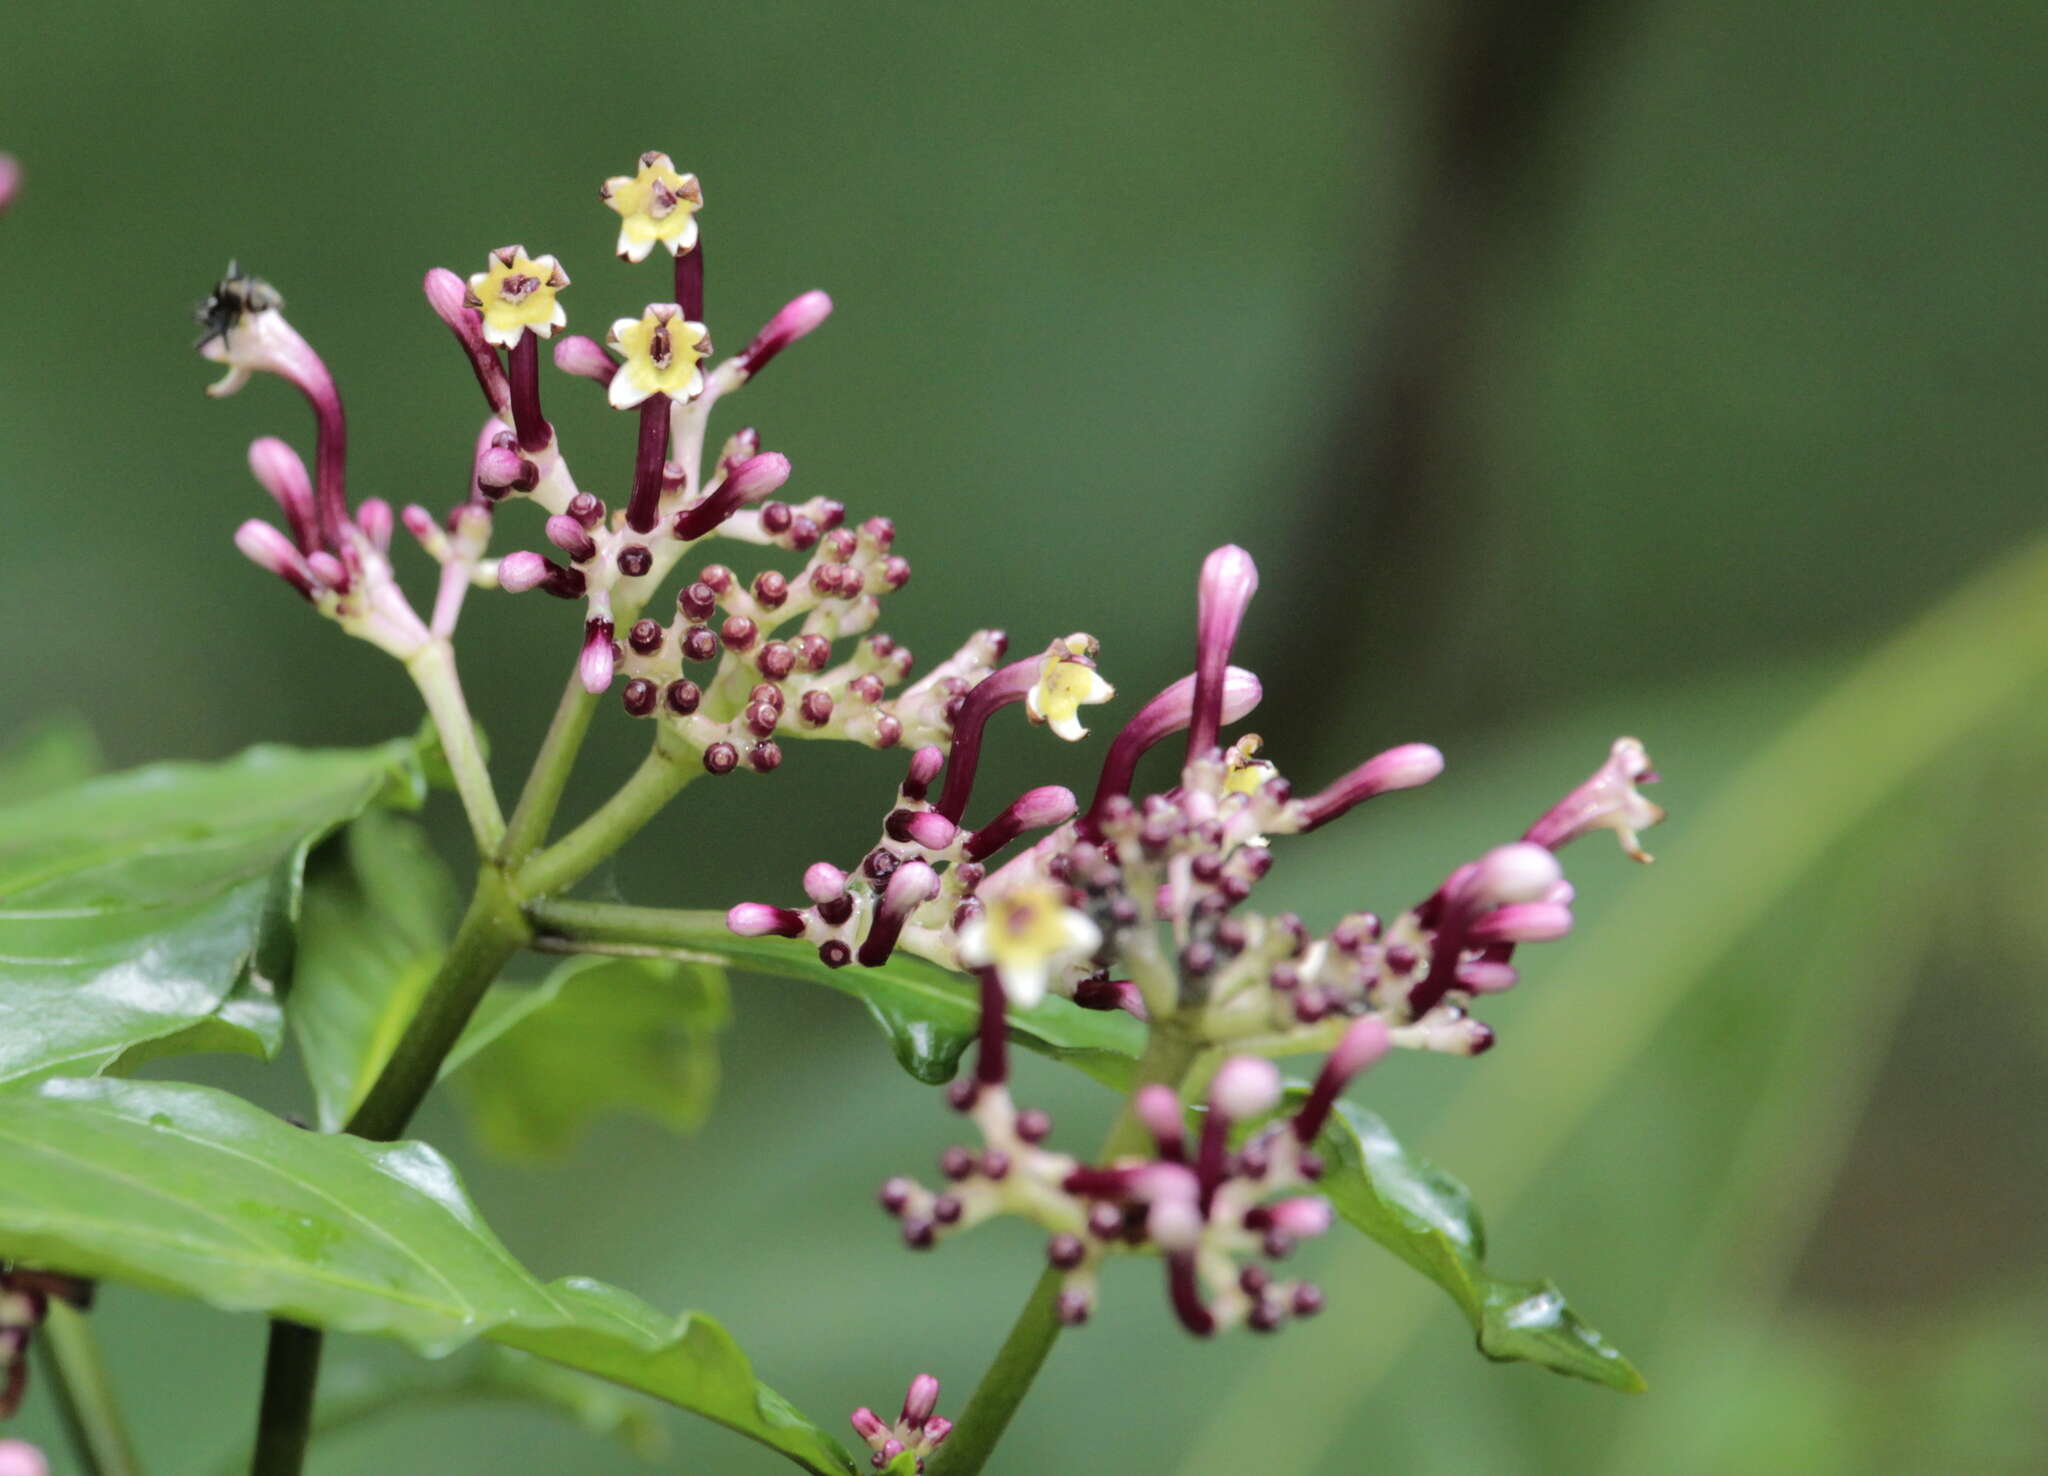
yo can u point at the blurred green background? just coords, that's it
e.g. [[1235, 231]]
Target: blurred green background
[[1570, 368]]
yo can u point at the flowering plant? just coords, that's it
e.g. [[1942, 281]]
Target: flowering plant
[[186, 908]]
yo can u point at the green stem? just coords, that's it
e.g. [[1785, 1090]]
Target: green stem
[[543, 793], [491, 932], [669, 765], [1169, 1054], [85, 1396], [284, 1423], [578, 923], [433, 672]]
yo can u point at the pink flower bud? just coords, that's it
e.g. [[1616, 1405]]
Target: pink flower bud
[[761, 920], [921, 1400], [1229, 580], [445, 295], [283, 475], [1158, 1107], [10, 181], [18, 1457], [1606, 801], [520, 571], [1363, 1045], [868, 1425], [1245, 1087], [586, 358], [373, 517], [1521, 922], [824, 882], [796, 319], [1406, 767], [1303, 1218], [598, 661], [269, 549]]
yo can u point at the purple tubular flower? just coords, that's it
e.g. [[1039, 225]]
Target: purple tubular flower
[[750, 481], [1158, 1107], [644, 511], [1302, 1218], [1229, 580], [797, 318], [868, 1425], [992, 693], [1606, 801], [599, 660], [992, 1061], [761, 920], [1185, 1293], [924, 767], [1407, 767], [1162, 717], [1363, 1044], [1034, 809], [911, 885], [500, 468], [585, 358], [269, 549], [535, 434], [283, 476], [445, 292], [689, 282], [922, 1398], [1245, 1087], [936, 1429]]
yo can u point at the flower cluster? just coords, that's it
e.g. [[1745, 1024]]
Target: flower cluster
[[1138, 903], [916, 1433], [741, 662]]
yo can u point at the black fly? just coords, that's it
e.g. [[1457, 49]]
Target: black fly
[[235, 294]]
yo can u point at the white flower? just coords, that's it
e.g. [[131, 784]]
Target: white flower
[[1066, 683], [1027, 935]]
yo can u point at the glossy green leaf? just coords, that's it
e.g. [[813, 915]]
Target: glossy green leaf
[[43, 757], [378, 912], [1427, 1218], [189, 1191], [931, 1015], [352, 1396], [134, 908], [601, 1035]]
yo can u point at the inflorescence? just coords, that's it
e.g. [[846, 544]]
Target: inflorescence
[[1138, 903], [1134, 902], [740, 663]]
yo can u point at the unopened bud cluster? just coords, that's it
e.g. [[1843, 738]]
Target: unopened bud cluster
[[916, 1433], [1140, 903]]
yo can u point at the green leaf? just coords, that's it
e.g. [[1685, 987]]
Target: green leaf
[[930, 1015], [1427, 1218], [602, 1034], [45, 756], [136, 907], [355, 1395], [378, 911], [189, 1191]]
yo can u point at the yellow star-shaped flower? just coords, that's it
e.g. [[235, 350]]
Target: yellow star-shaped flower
[[657, 205], [517, 293], [662, 349], [1066, 683], [1028, 934], [1243, 773]]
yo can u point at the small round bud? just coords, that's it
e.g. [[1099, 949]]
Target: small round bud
[[1254, 1280], [1034, 1124], [918, 1234], [777, 660], [894, 1194], [947, 1209], [639, 696], [738, 632], [771, 589], [830, 514], [961, 1094], [721, 758], [587, 510], [803, 532], [1105, 1220], [1065, 1251], [717, 577], [635, 560], [834, 954], [880, 864], [1308, 1299], [815, 708], [888, 731], [646, 637], [956, 1163], [1245, 1087], [1072, 1308], [776, 517], [867, 687], [699, 644], [814, 651], [995, 1164], [682, 697], [895, 571], [697, 601], [766, 758]]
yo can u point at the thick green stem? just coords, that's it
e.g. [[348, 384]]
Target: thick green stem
[[601, 923], [1168, 1056], [284, 1423], [543, 793], [85, 1397], [433, 672], [492, 930], [667, 768]]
